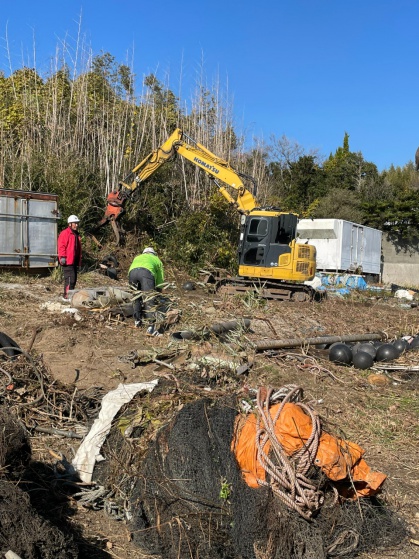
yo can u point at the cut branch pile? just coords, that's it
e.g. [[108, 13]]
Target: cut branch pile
[[44, 404]]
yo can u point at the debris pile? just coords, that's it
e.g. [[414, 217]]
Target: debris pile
[[188, 496], [43, 404], [341, 284], [290, 430], [210, 462]]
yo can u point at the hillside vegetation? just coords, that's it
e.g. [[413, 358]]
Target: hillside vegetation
[[77, 134]]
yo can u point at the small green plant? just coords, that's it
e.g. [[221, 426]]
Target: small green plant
[[225, 490], [253, 300], [57, 274]]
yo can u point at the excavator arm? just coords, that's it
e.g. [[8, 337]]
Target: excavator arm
[[219, 170]]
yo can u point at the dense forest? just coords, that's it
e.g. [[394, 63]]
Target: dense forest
[[77, 135]]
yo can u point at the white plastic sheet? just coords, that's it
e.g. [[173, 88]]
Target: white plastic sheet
[[89, 451]]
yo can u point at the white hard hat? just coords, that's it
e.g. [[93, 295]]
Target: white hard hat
[[149, 250], [73, 219]]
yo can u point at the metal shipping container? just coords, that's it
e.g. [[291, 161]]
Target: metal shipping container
[[28, 229], [342, 246]]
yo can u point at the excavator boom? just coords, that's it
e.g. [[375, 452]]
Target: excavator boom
[[220, 170], [216, 168]]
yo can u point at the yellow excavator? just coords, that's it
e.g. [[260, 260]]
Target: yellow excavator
[[270, 260]]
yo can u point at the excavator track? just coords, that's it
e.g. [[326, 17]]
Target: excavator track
[[281, 291]]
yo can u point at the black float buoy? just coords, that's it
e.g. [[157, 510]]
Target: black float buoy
[[401, 345], [366, 347], [340, 353], [362, 360], [387, 352]]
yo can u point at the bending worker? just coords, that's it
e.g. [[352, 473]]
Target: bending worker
[[146, 274], [69, 253]]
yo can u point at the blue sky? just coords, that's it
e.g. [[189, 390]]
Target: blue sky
[[306, 69]]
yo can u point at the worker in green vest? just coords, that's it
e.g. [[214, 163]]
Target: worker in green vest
[[146, 274]]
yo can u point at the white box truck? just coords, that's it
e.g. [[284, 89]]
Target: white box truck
[[343, 246]]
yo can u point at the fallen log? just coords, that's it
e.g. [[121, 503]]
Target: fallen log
[[263, 345]]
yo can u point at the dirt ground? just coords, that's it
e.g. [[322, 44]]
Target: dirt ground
[[379, 413]]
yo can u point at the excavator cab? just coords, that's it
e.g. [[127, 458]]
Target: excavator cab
[[268, 249], [265, 237]]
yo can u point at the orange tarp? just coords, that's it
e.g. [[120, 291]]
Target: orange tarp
[[339, 459]]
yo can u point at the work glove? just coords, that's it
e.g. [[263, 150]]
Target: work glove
[[63, 261]]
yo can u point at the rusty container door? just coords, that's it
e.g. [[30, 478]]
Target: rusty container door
[[28, 229]]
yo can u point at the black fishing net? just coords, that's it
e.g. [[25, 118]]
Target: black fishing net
[[189, 500], [25, 532], [22, 529], [183, 475], [15, 450]]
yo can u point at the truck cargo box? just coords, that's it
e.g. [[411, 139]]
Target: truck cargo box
[[342, 245], [28, 229]]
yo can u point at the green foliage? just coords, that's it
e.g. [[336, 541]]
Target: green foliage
[[399, 217], [339, 204], [252, 300], [59, 86], [157, 203], [402, 179], [207, 236], [108, 78], [348, 170], [393, 207], [341, 154], [165, 103], [225, 491], [307, 184], [20, 112]]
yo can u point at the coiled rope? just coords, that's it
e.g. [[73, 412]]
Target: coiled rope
[[288, 475]]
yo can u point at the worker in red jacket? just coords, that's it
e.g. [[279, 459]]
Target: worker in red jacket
[[69, 253]]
